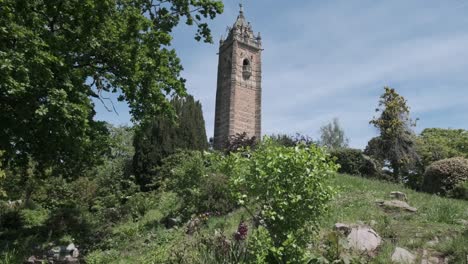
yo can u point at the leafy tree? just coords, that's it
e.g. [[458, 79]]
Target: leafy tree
[[333, 136], [163, 137], [434, 144], [396, 143], [198, 180], [289, 189], [57, 55], [354, 162]]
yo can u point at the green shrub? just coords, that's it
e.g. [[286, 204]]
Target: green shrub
[[460, 191], [198, 180], [215, 194], [33, 218], [435, 144], [354, 162], [101, 257], [445, 175], [183, 173], [288, 189], [140, 203]]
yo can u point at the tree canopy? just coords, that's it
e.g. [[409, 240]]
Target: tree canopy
[[163, 137], [437, 143], [395, 144], [56, 55], [333, 136]]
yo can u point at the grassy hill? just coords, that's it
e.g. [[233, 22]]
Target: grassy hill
[[437, 219]]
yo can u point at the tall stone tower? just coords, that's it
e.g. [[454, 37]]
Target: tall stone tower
[[239, 89]]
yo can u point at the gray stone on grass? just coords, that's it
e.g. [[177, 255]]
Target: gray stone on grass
[[399, 196], [31, 260], [343, 228], [64, 254], [364, 239], [397, 204], [403, 256]]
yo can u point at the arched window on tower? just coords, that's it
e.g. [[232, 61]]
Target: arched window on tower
[[246, 69]]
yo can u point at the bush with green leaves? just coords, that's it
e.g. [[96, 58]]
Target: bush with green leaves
[[286, 189], [354, 162], [435, 144], [460, 191], [198, 179], [445, 175]]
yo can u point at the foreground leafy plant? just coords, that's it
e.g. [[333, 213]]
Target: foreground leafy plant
[[288, 189]]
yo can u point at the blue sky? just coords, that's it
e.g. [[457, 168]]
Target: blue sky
[[326, 59]]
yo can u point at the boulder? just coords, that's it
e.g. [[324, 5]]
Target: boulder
[[64, 254], [398, 196], [397, 204], [31, 260], [403, 256], [343, 228], [364, 239]]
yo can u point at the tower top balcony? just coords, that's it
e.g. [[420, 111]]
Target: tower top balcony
[[242, 31]]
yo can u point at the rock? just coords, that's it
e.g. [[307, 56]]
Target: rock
[[31, 260], [343, 228], [64, 254], [75, 253], [71, 260], [398, 196], [372, 223], [363, 238], [462, 222], [397, 204], [70, 247], [403, 256]]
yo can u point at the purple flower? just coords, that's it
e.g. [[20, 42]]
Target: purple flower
[[241, 233]]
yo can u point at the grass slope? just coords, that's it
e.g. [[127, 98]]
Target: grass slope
[[147, 241], [436, 217]]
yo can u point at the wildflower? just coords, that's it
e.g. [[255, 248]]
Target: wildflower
[[241, 233]]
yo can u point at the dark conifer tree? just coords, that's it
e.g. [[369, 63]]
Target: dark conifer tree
[[162, 137]]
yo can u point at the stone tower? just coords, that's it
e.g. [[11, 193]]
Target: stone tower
[[239, 93]]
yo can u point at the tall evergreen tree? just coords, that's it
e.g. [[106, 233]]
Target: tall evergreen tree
[[164, 136], [396, 143]]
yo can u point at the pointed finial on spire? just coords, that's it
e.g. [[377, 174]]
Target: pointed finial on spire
[[241, 8]]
